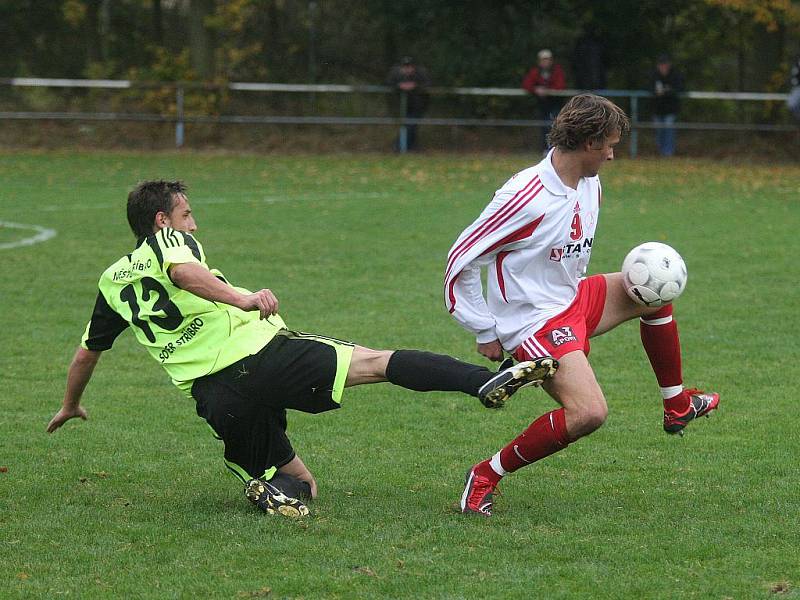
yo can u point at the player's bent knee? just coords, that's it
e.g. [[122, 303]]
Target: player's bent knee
[[586, 417], [367, 366], [595, 416]]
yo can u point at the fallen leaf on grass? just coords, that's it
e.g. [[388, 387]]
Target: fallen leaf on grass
[[260, 593], [780, 587]]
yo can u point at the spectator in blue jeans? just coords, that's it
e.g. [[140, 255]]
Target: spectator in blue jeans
[[666, 85], [793, 101], [411, 82]]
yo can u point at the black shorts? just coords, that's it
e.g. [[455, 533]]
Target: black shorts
[[245, 403]]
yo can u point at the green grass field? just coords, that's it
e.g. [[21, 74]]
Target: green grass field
[[136, 503]]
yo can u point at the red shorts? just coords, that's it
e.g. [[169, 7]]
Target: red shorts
[[571, 329]]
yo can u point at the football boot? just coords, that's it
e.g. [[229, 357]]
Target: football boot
[[273, 501], [477, 498], [511, 378], [700, 404]]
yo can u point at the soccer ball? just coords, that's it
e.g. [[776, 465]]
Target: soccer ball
[[654, 274]]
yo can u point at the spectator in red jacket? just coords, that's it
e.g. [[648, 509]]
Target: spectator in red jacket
[[545, 76]]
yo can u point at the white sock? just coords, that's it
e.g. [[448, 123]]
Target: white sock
[[494, 462], [671, 392]]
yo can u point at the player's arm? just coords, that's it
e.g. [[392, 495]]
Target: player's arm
[[476, 247], [80, 372], [104, 327], [197, 279], [182, 258], [506, 224], [465, 301], [468, 305], [473, 313]]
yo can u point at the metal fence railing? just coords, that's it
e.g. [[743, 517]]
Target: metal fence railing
[[179, 116]]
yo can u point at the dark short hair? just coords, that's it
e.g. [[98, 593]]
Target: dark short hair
[[148, 199], [587, 118]]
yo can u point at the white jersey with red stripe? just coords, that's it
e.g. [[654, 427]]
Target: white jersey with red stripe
[[535, 239]]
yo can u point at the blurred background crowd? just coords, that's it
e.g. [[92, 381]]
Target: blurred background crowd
[[662, 48]]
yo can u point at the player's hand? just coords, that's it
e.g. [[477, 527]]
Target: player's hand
[[64, 415], [492, 350], [264, 301]]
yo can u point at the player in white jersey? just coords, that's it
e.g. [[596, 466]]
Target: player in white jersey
[[535, 239]]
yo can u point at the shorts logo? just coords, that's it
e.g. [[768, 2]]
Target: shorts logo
[[562, 335], [556, 254]]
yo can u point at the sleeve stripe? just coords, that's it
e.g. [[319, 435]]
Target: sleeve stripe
[[501, 280], [153, 243], [452, 295], [192, 244], [170, 238], [516, 236]]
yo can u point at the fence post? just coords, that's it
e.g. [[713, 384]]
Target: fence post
[[634, 148], [179, 117]]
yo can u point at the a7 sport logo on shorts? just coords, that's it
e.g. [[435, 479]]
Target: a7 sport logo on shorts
[[562, 335]]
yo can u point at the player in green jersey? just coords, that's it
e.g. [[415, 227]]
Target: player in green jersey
[[228, 348]]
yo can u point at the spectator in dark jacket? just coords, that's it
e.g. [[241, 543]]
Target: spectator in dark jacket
[[547, 75], [411, 81], [666, 85]]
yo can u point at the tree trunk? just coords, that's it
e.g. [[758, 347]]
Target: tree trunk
[[158, 26], [201, 39]]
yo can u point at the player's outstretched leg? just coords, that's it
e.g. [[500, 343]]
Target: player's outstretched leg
[[426, 371], [659, 333], [700, 404], [272, 500], [505, 384]]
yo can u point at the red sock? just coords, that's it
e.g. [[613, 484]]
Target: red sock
[[660, 339], [545, 436]]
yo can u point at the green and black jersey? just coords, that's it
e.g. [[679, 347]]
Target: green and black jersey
[[189, 336]]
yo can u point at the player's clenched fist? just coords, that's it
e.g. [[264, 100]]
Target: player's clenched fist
[[264, 301]]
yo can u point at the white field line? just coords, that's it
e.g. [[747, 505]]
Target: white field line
[[42, 234]]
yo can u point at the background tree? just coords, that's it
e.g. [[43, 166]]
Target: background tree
[[720, 44]]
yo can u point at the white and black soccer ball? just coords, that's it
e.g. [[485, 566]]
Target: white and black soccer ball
[[654, 274]]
